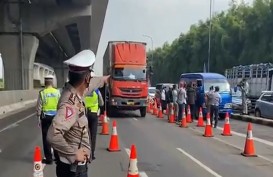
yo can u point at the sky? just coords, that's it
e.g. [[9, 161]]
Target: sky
[[163, 20]]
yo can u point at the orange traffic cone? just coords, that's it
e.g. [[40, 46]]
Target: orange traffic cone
[[208, 128], [148, 107], [155, 112], [249, 144], [114, 145], [37, 168], [183, 121], [200, 122], [226, 130], [189, 120], [171, 116], [105, 128], [133, 170], [160, 114]]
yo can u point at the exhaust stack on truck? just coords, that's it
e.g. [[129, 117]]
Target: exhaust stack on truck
[[126, 62]]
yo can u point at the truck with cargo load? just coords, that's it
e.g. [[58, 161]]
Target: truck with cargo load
[[126, 62], [259, 78]]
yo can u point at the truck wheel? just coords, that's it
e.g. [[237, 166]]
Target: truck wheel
[[143, 111]]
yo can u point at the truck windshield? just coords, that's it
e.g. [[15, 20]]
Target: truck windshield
[[130, 73], [221, 83]]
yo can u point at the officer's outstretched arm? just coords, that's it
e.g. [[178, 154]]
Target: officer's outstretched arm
[[65, 118], [98, 82]]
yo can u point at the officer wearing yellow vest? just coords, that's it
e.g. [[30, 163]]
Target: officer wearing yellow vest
[[46, 109], [93, 101]]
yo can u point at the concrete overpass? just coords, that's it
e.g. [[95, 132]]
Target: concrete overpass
[[47, 32]]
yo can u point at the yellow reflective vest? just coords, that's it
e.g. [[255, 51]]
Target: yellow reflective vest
[[92, 101], [50, 97]]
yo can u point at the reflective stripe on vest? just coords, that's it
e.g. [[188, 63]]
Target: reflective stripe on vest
[[50, 97], [92, 102]]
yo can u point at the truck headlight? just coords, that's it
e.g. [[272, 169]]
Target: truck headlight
[[114, 102], [228, 106]]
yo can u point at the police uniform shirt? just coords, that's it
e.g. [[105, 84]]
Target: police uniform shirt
[[70, 122]]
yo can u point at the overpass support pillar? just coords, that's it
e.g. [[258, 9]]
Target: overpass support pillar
[[61, 73], [18, 67]]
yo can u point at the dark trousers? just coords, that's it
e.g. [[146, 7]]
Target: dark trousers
[[163, 105], [45, 124], [93, 126], [63, 170], [214, 114], [102, 109], [193, 111], [181, 107]]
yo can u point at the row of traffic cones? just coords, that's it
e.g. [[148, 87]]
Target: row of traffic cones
[[249, 149], [114, 147]]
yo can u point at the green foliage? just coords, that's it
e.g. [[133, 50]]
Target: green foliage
[[241, 35]]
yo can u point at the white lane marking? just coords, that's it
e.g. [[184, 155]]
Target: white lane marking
[[141, 173], [235, 146], [199, 163], [269, 143], [17, 122], [135, 119], [128, 151], [0, 150], [44, 165]]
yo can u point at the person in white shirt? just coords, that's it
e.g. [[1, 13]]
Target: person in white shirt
[[216, 100]]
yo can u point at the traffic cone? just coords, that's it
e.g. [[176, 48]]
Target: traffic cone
[[133, 170], [114, 145], [160, 114], [148, 107], [101, 118], [183, 121], [226, 130], [37, 159], [171, 116], [200, 122], [105, 128], [208, 128], [155, 112], [189, 120], [249, 144], [152, 108]]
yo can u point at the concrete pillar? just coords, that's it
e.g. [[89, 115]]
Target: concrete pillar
[[18, 71], [61, 73]]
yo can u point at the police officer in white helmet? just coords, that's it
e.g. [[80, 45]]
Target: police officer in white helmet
[[46, 109], [69, 133]]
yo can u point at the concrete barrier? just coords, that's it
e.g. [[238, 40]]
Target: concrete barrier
[[17, 99], [256, 120]]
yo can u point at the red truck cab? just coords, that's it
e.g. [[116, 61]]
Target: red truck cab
[[126, 62]]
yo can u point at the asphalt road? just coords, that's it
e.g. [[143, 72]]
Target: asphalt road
[[163, 149]]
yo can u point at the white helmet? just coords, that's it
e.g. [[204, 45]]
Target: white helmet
[[49, 77]]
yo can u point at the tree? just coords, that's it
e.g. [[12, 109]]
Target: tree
[[240, 35]]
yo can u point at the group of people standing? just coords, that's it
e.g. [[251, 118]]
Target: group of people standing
[[186, 95], [179, 97]]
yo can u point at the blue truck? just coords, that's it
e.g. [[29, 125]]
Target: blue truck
[[204, 81]]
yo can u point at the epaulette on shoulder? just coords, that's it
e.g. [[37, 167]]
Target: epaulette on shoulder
[[71, 99]]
